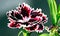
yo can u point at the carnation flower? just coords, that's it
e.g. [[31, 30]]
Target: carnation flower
[[27, 17]]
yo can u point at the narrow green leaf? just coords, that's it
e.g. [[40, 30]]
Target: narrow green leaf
[[53, 11], [44, 34], [58, 23], [58, 14], [58, 7]]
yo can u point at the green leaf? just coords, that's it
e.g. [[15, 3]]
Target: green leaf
[[53, 11], [58, 23], [44, 34], [58, 14], [58, 8], [26, 33]]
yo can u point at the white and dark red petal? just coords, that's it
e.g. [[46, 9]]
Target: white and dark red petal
[[25, 10], [36, 27], [40, 28], [25, 23], [40, 14], [14, 15], [32, 20], [37, 18], [34, 14], [18, 15], [26, 19], [14, 25], [31, 28], [44, 19]]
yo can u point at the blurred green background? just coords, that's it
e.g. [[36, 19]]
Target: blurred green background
[[6, 5]]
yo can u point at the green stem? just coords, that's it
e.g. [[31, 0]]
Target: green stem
[[53, 32], [19, 33], [25, 33]]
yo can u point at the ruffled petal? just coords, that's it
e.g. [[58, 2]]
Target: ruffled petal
[[14, 25]]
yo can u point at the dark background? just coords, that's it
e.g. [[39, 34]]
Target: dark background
[[6, 5]]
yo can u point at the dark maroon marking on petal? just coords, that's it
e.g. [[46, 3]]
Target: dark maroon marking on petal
[[27, 28], [20, 5], [25, 11], [36, 19], [32, 27], [12, 17], [17, 25], [7, 14], [40, 14], [31, 20], [18, 16], [40, 27], [12, 13], [25, 23], [34, 14], [44, 18], [14, 24]]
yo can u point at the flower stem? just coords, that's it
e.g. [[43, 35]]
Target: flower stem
[[19, 33], [25, 33], [53, 32]]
